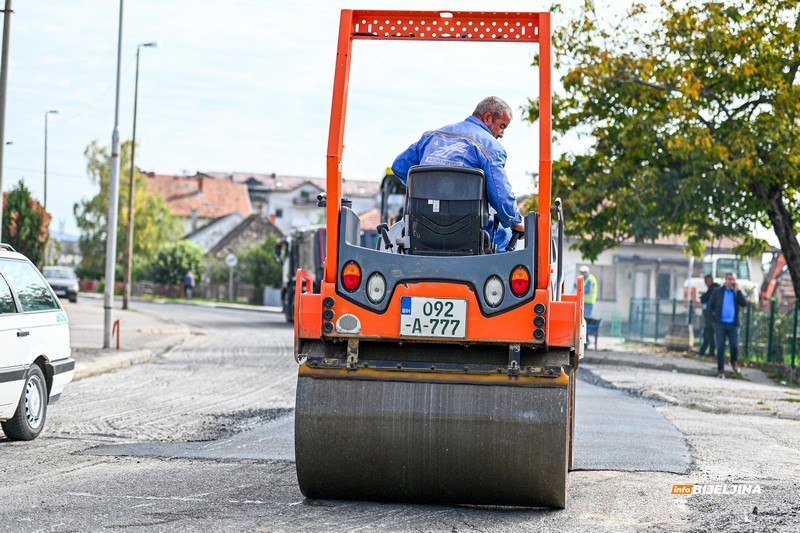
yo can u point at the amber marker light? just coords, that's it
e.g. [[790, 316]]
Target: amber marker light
[[520, 280], [351, 276]]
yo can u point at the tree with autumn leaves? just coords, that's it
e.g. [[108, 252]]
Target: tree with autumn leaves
[[691, 114], [25, 224]]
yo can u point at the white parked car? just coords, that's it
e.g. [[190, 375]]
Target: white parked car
[[35, 362]]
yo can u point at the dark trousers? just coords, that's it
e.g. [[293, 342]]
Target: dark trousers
[[730, 332], [708, 337]]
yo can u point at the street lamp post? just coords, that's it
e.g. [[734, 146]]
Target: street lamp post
[[46, 114], [3, 85], [126, 295], [113, 202]]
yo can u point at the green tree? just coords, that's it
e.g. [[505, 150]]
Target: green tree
[[259, 267], [173, 260], [216, 270], [691, 111], [25, 224], [154, 223]]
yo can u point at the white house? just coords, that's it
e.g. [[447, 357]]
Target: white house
[[291, 201], [655, 270]]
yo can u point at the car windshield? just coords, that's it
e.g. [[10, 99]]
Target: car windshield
[[58, 273]]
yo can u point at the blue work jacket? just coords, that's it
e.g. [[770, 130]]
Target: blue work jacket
[[466, 144]]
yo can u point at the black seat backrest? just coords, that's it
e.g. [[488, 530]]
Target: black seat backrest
[[446, 207]]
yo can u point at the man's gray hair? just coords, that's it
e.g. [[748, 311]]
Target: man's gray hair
[[494, 105]]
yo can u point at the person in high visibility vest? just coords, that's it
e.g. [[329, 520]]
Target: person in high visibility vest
[[589, 291]]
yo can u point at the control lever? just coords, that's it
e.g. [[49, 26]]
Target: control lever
[[383, 229], [515, 236]]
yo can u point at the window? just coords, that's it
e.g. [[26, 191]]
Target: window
[[32, 290], [607, 282], [664, 286], [279, 213], [6, 300], [737, 266]]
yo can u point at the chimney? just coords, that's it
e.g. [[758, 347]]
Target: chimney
[[194, 220]]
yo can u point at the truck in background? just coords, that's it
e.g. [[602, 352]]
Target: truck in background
[[305, 248], [718, 265]]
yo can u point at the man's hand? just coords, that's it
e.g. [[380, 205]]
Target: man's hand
[[520, 227]]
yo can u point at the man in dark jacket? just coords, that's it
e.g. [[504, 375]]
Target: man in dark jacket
[[708, 322], [724, 305]]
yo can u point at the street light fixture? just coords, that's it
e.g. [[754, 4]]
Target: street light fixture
[[126, 295], [46, 114]]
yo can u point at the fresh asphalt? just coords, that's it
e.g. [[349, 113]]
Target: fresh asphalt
[[614, 430]]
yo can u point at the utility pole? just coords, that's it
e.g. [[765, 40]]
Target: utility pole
[[46, 114], [113, 204], [3, 85], [126, 293]]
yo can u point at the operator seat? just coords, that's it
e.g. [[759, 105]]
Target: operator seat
[[446, 209]]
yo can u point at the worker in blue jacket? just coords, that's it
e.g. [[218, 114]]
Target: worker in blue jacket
[[473, 143]]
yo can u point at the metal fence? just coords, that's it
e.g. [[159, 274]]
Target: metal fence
[[241, 292], [769, 332]]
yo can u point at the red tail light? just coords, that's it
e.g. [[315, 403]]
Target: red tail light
[[520, 280], [351, 276]]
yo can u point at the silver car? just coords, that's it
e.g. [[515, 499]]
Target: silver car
[[63, 281], [35, 354]]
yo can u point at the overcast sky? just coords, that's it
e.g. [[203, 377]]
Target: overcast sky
[[245, 86], [240, 85]]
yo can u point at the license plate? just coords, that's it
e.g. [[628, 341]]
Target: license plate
[[433, 317]]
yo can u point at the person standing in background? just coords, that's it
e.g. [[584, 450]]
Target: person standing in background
[[589, 291], [188, 284], [708, 322]]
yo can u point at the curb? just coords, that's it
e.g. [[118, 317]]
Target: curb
[[179, 330], [111, 362], [752, 375], [221, 305]]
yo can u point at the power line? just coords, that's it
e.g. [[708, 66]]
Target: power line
[[38, 172]]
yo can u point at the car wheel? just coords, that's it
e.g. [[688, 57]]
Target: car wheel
[[28, 420], [73, 299]]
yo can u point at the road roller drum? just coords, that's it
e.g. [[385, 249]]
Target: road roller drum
[[433, 442]]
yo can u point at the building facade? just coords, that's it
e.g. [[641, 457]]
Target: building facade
[[655, 270], [291, 201]]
